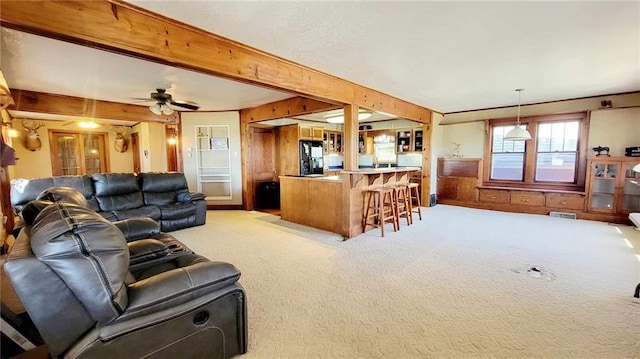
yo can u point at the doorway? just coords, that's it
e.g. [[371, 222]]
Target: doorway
[[263, 164]]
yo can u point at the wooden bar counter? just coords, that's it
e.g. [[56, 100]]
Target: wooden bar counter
[[334, 203]]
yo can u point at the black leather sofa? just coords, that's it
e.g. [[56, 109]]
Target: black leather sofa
[[101, 289], [164, 197]]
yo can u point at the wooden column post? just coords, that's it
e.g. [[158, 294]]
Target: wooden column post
[[350, 137], [425, 181]]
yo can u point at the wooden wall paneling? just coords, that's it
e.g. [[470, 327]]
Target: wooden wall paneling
[[32, 101], [125, 29], [425, 183], [289, 147], [295, 106]]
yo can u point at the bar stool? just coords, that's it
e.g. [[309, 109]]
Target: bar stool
[[403, 202], [379, 208], [414, 194]]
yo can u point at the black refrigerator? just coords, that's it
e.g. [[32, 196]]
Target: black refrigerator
[[311, 162]]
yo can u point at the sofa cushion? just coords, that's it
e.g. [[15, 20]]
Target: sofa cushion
[[162, 188], [152, 212], [117, 191], [88, 252], [63, 194], [177, 211], [25, 190], [111, 184]]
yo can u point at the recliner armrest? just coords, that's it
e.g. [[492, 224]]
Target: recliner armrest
[[145, 250], [138, 228], [191, 196], [178, 286]]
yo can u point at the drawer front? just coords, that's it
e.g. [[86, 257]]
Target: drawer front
[[494, 195], [566, 201], [527, 198]]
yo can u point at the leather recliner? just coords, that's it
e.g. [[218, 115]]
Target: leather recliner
[[71, 269]]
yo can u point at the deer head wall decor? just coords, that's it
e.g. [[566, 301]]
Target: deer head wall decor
[[120, 144], [32, 141]]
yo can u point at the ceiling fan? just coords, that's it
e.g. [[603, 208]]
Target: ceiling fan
[[164, 103]]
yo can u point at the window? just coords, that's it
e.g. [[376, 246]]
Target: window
[[557, 151], [553, 158], [76, 153], [507, 157]]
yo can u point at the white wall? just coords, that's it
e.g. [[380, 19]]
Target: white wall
[[35, 164], [470, 137], [614, 128], [153, 151], [232, 119]]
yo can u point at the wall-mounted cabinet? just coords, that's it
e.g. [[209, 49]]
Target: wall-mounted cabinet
[[332, 142], [310, 133], [404, 141], [417, 141], [213, 161]]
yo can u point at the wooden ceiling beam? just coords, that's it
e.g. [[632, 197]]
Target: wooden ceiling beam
[[291, 107], [129, 30], [39, 102]]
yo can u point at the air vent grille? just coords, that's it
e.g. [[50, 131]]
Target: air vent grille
[[563, 215]]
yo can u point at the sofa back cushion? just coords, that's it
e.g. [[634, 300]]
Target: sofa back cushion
[[88, 252], [25, 190], [162, 188], [117, 191]]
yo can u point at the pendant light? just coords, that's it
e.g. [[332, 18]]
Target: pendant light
[[518, 133]]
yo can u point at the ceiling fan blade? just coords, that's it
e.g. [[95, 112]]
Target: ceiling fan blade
[[142, 99], [190, 105]]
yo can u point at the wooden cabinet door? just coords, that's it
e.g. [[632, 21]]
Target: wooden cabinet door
[[468, 189], [317, 132], [447, 188], [306, 133]]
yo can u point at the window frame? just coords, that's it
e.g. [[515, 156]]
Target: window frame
[[531, 152]]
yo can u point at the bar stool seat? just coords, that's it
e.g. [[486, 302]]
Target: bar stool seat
[[403, 202], [414, 194], [379, 208]]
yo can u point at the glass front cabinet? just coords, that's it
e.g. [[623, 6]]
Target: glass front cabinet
[[613, 185]]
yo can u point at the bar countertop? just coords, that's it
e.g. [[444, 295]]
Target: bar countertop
[[315, 178], [373, 171]]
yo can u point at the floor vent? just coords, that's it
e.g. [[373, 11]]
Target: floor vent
[[563, 215]]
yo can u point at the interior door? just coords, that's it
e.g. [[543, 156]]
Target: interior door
[[263, 156]]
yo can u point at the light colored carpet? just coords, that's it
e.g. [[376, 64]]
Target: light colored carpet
[[457, 284]]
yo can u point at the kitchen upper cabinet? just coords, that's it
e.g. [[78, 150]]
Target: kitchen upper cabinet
[[332, 142], [313, 133]]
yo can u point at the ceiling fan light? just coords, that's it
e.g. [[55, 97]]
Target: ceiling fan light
[[167, 110], [156, 109]]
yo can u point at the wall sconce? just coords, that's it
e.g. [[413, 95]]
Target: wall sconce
[[173, 139]]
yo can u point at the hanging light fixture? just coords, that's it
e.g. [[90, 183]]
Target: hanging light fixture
[[518, 133], [161, 108]]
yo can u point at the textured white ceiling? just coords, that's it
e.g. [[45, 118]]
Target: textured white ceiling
[[36, 63], [448, 56]]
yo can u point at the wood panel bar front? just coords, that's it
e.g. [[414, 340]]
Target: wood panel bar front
[[312, 201], [334, 203]]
